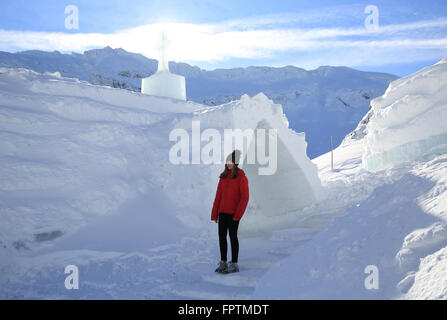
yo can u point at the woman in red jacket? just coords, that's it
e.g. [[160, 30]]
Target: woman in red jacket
[[228, 208]]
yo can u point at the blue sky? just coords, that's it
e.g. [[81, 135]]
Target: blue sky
[[405, 35]]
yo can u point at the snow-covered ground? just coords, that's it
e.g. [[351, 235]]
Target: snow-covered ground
[[86, 181]]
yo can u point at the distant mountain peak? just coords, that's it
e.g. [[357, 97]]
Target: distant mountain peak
[[103, 51]]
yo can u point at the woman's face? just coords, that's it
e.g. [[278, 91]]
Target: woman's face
[[230, 165]]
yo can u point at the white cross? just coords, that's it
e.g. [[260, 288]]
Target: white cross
[[163, 48]]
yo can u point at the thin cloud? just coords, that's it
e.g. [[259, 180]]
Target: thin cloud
[[258, 39]]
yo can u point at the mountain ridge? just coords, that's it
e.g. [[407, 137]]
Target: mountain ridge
[[327, 101]]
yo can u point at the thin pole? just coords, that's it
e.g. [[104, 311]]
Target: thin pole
[[332, 156]]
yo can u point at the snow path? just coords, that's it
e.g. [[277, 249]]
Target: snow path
[[183, 270]]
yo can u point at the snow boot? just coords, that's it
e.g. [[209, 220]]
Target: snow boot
[[222, 267], [232, 267]]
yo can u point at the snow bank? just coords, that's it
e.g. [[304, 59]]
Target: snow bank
[[72, 153], [408, 121], [387, 228], [53, 84], [430, 281]]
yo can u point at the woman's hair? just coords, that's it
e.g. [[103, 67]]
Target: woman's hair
[[226, 171]]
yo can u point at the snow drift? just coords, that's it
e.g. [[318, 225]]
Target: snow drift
[[408, 121], [72, 152]]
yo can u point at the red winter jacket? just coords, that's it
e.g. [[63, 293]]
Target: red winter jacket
[[231, 195]]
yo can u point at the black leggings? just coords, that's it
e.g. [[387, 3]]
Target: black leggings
[[226, 223]]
